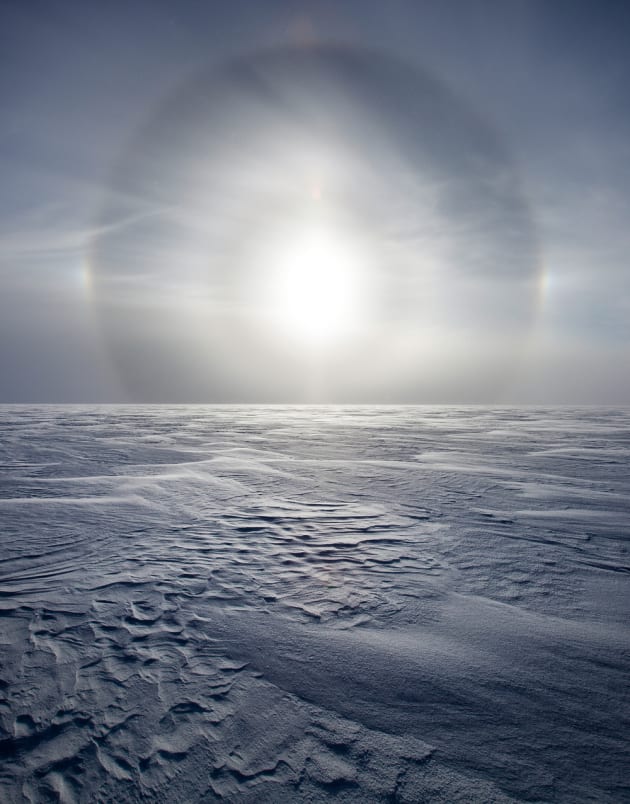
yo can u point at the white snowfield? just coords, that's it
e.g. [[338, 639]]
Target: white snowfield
[[287, 604]]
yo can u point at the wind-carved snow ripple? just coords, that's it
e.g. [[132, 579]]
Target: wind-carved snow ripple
[[285, 604], [238, 528]]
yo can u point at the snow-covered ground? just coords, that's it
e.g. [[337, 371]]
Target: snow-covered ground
[[298, 604]]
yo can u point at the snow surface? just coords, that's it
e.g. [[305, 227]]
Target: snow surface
[[298, 604]]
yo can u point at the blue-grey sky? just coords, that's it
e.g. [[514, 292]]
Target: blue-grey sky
[[315, 201]]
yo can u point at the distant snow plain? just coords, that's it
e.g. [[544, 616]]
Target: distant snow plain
[[285, 604]]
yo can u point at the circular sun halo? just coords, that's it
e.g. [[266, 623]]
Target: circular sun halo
[[314, 287]]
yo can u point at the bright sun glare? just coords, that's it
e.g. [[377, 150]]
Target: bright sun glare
[[314, 286]]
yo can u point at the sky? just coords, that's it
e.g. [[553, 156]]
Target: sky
[[345, 202]]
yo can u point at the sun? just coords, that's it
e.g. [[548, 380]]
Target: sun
[[314, 286]]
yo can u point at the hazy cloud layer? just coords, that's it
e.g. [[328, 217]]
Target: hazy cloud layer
[[478, 181]]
